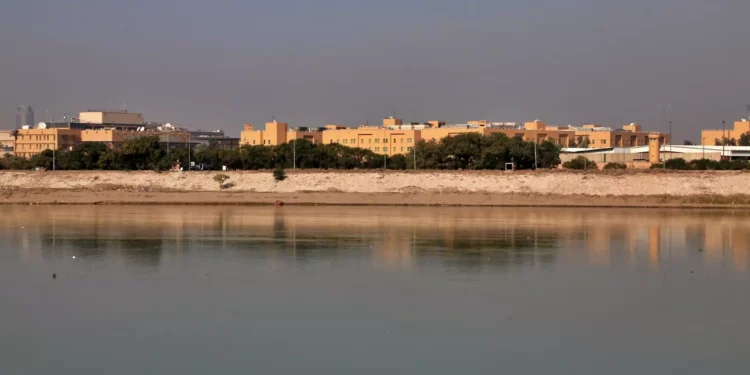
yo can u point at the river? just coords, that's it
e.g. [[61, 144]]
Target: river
[[372, 290]]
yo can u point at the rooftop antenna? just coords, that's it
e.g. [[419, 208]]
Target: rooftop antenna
[[748, 110]]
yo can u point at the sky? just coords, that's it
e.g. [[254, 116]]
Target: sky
[[220, 64]]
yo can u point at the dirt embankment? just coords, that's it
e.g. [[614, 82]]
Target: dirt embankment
[[548, 188]]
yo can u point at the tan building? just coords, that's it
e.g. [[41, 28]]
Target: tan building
[[32, 142], [276, 133], [379, 140], [112, 117], [597, 136], [712, 137]]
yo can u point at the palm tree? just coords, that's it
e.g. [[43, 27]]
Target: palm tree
[[14, 134]]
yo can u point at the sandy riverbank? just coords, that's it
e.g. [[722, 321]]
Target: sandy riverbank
[[485, 188]]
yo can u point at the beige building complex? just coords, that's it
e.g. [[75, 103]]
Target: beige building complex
[[711, 137], [395, 137]]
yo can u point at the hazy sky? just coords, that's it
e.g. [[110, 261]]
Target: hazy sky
[[219, 64]]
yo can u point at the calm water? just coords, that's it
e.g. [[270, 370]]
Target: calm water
[[366, 290]]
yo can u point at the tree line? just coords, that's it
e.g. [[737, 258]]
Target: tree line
[[464, 151], [743, 141]]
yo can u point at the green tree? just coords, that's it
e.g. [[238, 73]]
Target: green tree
[[42, 160], [744, 140], [397, 161], [548, 155], [142, 153]]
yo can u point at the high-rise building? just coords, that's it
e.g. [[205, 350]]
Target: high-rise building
[[24, 116]]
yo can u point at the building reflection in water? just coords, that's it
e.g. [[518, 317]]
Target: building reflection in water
[[392, 237]]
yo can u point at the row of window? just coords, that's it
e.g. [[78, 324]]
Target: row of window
[[35, 146], [393, 149], [370, 140]]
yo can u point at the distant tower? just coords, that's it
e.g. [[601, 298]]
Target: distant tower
[[24, 116]]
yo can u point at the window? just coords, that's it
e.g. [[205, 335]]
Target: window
[[338, 141], [377, 140], [385, 149], [385, 140], [369, 140], [402, 149], [377, 148], [408, 149], [354, 141], [346, 141], [604, 141], [408, 140]]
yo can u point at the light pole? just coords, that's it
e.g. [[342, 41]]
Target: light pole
[[414, 150], [670, 140], [535, 140], [723, 138], [294, 154]]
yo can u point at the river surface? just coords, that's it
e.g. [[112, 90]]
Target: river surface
[[373, 290]]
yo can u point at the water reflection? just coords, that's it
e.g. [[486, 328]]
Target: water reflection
[[394, 237]]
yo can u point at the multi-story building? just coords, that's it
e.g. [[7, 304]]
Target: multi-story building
[[712, 137], [597, 136], [110, 117], [24, 116], [277, 133], [32, 142], [380, 140]]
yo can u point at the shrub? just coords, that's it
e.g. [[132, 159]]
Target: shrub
[[220, 178], [278, 173], [704, 164], [678, 163], [580, 162], [614, 165]]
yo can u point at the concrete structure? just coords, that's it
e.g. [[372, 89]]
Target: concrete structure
[[648, 155], [32, 142], [654, 148], [713, 137], [277, 133], [24, 116], [110, 117], [392, 121]]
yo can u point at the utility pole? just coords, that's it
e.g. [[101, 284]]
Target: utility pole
[[294, 154], [385, 162]]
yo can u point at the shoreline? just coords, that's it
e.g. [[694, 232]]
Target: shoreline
[[673, 189], [177, 198]]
